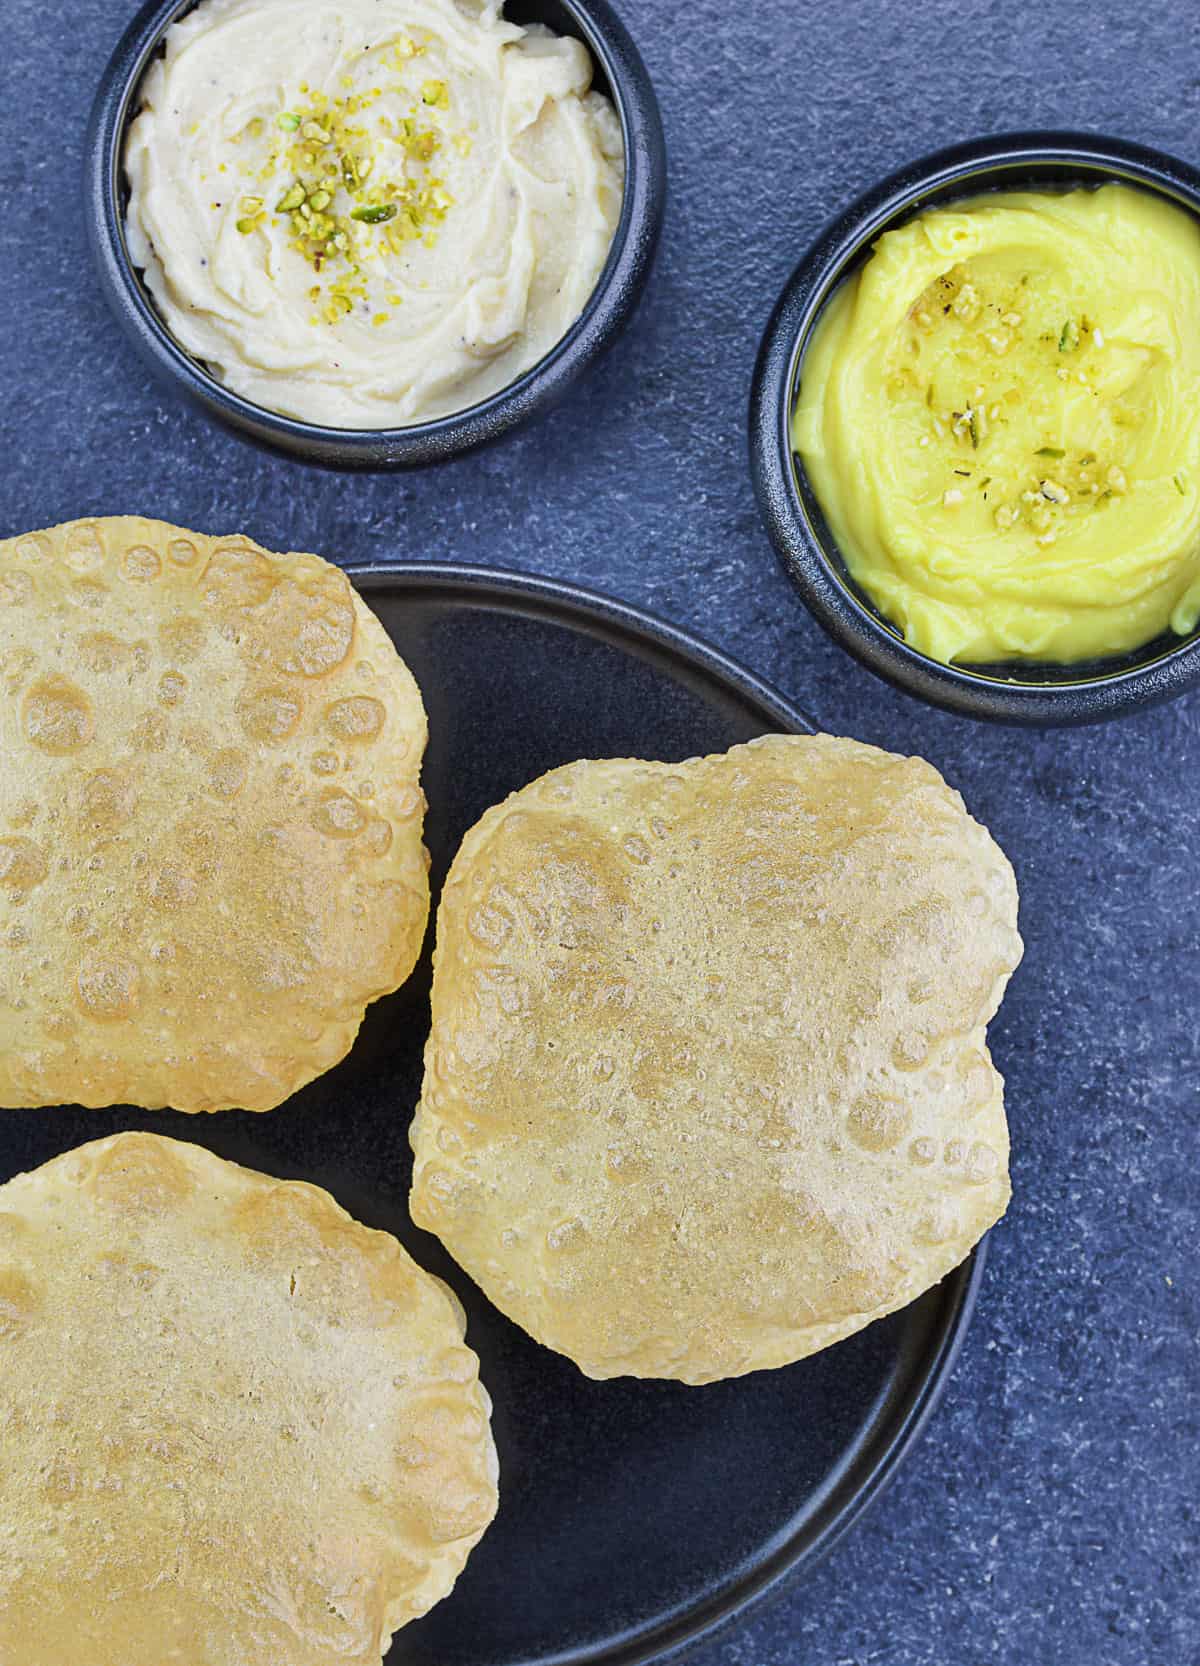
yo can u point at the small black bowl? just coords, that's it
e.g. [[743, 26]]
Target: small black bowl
[[1016, 692], [619, 72]]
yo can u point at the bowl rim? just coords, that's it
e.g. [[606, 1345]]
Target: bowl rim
[[617, 291], [1090, 697]]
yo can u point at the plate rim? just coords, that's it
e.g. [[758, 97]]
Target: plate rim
[[507, 584], [855, 1490]]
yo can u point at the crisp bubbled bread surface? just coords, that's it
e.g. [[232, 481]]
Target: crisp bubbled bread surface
[[210, 818], [708, 1085], [236, 1427]]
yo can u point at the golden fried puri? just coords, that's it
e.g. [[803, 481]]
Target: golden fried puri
[[708, 1085], [210, 818], [236, 1427]]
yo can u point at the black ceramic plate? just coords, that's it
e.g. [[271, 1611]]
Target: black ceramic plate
[[634, 1516]]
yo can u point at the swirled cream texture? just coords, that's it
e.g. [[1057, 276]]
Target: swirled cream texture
[[1000, 417], [368, 213]]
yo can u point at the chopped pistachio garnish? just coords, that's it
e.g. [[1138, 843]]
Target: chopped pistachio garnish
[[1049, 451], [331, 156], [1180, 481], [1068, 340]]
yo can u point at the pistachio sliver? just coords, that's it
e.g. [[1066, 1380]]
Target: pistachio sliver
[[374, 214]]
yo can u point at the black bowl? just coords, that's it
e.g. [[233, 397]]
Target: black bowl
[[619, 72], [1016, 692]]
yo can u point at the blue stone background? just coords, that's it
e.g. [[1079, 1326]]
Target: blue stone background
[[1049, 1516]]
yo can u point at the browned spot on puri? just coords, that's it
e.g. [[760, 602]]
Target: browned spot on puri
[[34, 548], [84, 547], [489, 923], [172, 686], [57, 716], [182, 638], [18, 1302], [379, 836], [88, 592], [108, 988], [227, 773], [270, 714], [287, 1227], [141, 564], [149, 733], [878, 1121], [310, 631], [173, 886], [16, 588], [237, 578], [360, 717], [22, 864], [62, 1482], [140, 1174], [107, 800], [338, 816], [102, 652]]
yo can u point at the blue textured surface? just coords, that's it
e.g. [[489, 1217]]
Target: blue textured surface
[[1051, 1513]]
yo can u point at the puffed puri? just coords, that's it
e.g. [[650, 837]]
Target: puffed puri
[[210, 818], [708, 1085], [237, 1428]]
